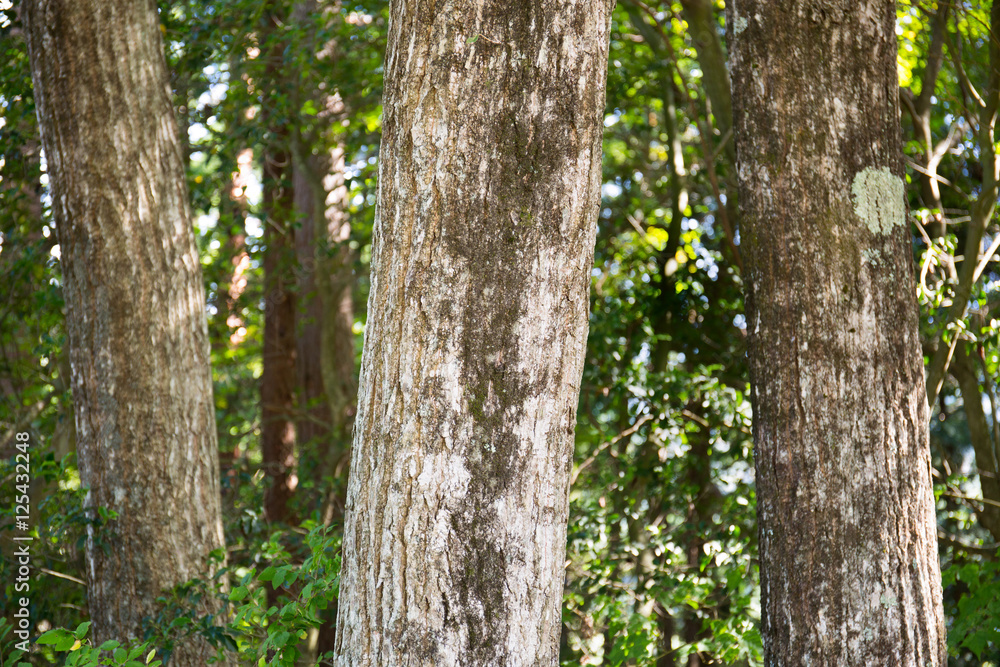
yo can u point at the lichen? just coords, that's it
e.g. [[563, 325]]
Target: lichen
[[872, 256], [878, 199], [739, 25]]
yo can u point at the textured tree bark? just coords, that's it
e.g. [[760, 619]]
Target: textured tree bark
[[849, 569], [135, 306], [489, 180]]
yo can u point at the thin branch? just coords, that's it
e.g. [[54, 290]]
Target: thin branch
[[986, 551], [618, 438], [984, 501], [987, 257], [60, 575]]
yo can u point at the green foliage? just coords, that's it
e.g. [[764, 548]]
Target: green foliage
[[80, 651], [974, 616], [276, 608]]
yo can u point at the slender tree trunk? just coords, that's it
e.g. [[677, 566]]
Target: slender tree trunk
[[326, 317], [963, 368], [849, 569], [704, 29], [135, 307], [313, 414], [326, 285], [335, 286], [278, 376], [488, 196]]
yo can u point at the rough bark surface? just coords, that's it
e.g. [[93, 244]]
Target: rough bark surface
[[488, 195], [849, 568], [135, 305]]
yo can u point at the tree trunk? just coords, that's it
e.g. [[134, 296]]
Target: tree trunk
[[489, 179], [278, 375], [849, 569], [326, 319], [135, 307], [963, 368], [335, 285], [703, 28]]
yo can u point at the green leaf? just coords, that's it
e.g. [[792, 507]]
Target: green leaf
[[150, 656], [120, 655], [238, 593], [65, 643], [81, 630], [472, 40], [279, 578], [55, 636], [268, 573], [110, 645]]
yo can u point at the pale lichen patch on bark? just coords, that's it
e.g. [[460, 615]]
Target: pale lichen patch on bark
[[879, 199]]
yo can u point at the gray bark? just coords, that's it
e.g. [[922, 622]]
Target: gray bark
[[849, 569], [138, 338], [489, 179]]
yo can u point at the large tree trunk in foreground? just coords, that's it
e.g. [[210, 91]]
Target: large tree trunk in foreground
[[488, 194], [849, 569], [135, 306]]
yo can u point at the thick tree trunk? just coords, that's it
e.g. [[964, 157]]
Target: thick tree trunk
[[849, 569], [135, 306], [488, 194]]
